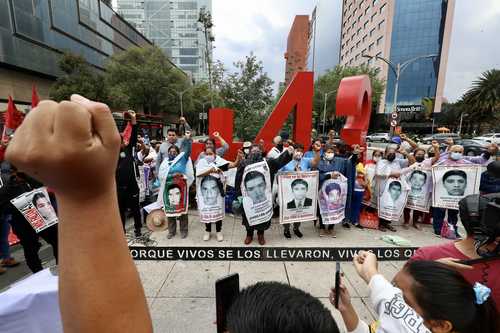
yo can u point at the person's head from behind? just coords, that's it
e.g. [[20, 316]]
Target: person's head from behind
[[444, 299], [494, 170], [395, 190], [417, 180], [299, 189], [455, 182], [333, 192], [255, 184], [43, 205], [171, 136], [174, 194], [278, 308]]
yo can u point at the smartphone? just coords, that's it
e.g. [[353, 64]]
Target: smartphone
[[337, 285], [226, 291]]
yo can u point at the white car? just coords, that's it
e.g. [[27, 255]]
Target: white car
[[490, 138], [378, 137]]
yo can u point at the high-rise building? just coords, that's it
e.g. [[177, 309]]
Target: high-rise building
[[173, 26], [296, 47], [400, 31], [324, 37]]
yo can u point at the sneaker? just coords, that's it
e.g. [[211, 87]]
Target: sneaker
[[137, 233], [248, 240], [206, 236], [220, 238], [287, 234], [391, 228], [322, 233], [261, 239], [359, 226], [333, 233], [346, 225], [416, 226], [382, 228], [297, 233], [11, 262], [170, 236]]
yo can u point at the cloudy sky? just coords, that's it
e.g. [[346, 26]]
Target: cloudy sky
[[261, 26]]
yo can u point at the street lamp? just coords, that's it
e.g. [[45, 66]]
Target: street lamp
[[202, 113], [398, 69], [324, 108], [181, 93], [460, 126]]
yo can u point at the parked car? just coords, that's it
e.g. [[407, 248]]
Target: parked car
[[439, 137], [490, 137], [378, 137], [473, 147]]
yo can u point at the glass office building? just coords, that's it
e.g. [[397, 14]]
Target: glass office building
[[173, 26], [34, 35], [417, 29]]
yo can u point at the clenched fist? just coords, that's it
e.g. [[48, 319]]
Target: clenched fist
[[70, 146]]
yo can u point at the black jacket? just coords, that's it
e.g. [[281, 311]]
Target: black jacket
[[125, 173], [14, 187], [307, 203]]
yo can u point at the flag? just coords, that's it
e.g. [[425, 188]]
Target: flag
[[34, 97], [13, 117], [127, 133]]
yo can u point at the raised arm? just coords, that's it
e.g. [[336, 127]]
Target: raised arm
[[91, 297], [412, 143], [437, 152], [224, 146]]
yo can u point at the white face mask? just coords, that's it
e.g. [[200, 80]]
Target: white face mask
[[298, 156], [455, 156], [376, 158], [329, 156]]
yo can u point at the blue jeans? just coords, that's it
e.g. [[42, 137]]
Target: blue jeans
[[356, 203], [4, 236], [438, 218]]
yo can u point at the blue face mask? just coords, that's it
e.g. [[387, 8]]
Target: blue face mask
[[171, 157], [210, 159]]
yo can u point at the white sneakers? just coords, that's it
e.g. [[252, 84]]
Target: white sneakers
[[206, 236], [220, 238]]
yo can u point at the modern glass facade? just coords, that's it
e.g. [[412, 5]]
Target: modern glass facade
[[34, 34], [417, 30], [173, 26]]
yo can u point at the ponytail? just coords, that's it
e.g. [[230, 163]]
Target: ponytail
[[444, 294]]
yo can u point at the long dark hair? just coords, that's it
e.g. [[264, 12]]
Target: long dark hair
[[444, 294]]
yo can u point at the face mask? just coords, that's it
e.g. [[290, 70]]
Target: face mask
[[376, 158], [255, 156], [298, 156], [122, 154], [419, 159], [246, 151], [455, 156], [391, 157], [210, 159], [329, 156], [171, 157]]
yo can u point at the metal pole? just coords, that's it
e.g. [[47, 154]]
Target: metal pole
[[396, 87], [460, 126], [182, 111], [324, 113]]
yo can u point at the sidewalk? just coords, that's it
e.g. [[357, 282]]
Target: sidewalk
[[181, 294]]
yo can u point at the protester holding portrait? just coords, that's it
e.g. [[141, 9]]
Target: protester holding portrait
[[452, 183], [257, 188], [332, 200], [370, 194], [211, 143], [210, 189], [297, 164], [392, 200], [332, 167]]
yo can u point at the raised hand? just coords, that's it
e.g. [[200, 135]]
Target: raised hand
[[366, 265], [70, 146]]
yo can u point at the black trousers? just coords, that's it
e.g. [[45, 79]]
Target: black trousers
[[129, 199], [218, 226], [29, 240]]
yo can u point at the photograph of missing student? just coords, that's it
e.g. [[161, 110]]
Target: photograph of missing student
[[332, 200], [297, 196], [36, 208], [452, 183], [420, 184], [175, 196], [210, 199], [256, 191], [393, 199], [370, 198]]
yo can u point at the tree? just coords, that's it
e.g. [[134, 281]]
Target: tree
[[248, 91], [145, 79], [483, 99], [329, 83], [78, 78]]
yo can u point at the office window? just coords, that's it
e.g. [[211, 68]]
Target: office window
[[382, 8], [370, 61], [373, 16], [366, 24], [363, 52], [357, 44], [371, 46], [379, 54], [367, 10], [359, 18], [357, 57], [381, 25], [379, 40], [358, 32], [353, 24], [375, 2], [372, 32], [364, 38], [360, 4]]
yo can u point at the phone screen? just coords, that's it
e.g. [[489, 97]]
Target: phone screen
[[337, 285], [226, 291]]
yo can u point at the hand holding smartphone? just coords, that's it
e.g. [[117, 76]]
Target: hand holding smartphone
[[226, 291], [337, 285]]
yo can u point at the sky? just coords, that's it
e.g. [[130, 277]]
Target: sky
[[262, 26]]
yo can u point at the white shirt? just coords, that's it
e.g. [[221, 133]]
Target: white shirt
[[151, 154]]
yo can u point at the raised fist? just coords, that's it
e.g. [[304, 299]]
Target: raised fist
[[70, 146]]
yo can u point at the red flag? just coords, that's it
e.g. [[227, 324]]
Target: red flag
[[34, 97], [127, 133], [13, 117]]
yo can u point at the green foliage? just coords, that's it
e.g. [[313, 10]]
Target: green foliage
[[78, 78], [330, 81], [248, 91]]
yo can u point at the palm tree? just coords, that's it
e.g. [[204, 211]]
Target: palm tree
[[483, 98]]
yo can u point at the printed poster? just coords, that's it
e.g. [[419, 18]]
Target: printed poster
[[419, 181], [452, 183], [210, 198], [392, 201], [175, 196], [36, 208], [332, 200], [370, 196], [256, 191], [297, 195]]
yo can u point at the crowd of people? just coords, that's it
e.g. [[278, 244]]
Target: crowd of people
[[93, 173]]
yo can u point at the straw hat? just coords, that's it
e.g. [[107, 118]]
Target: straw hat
[[156, 220]]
